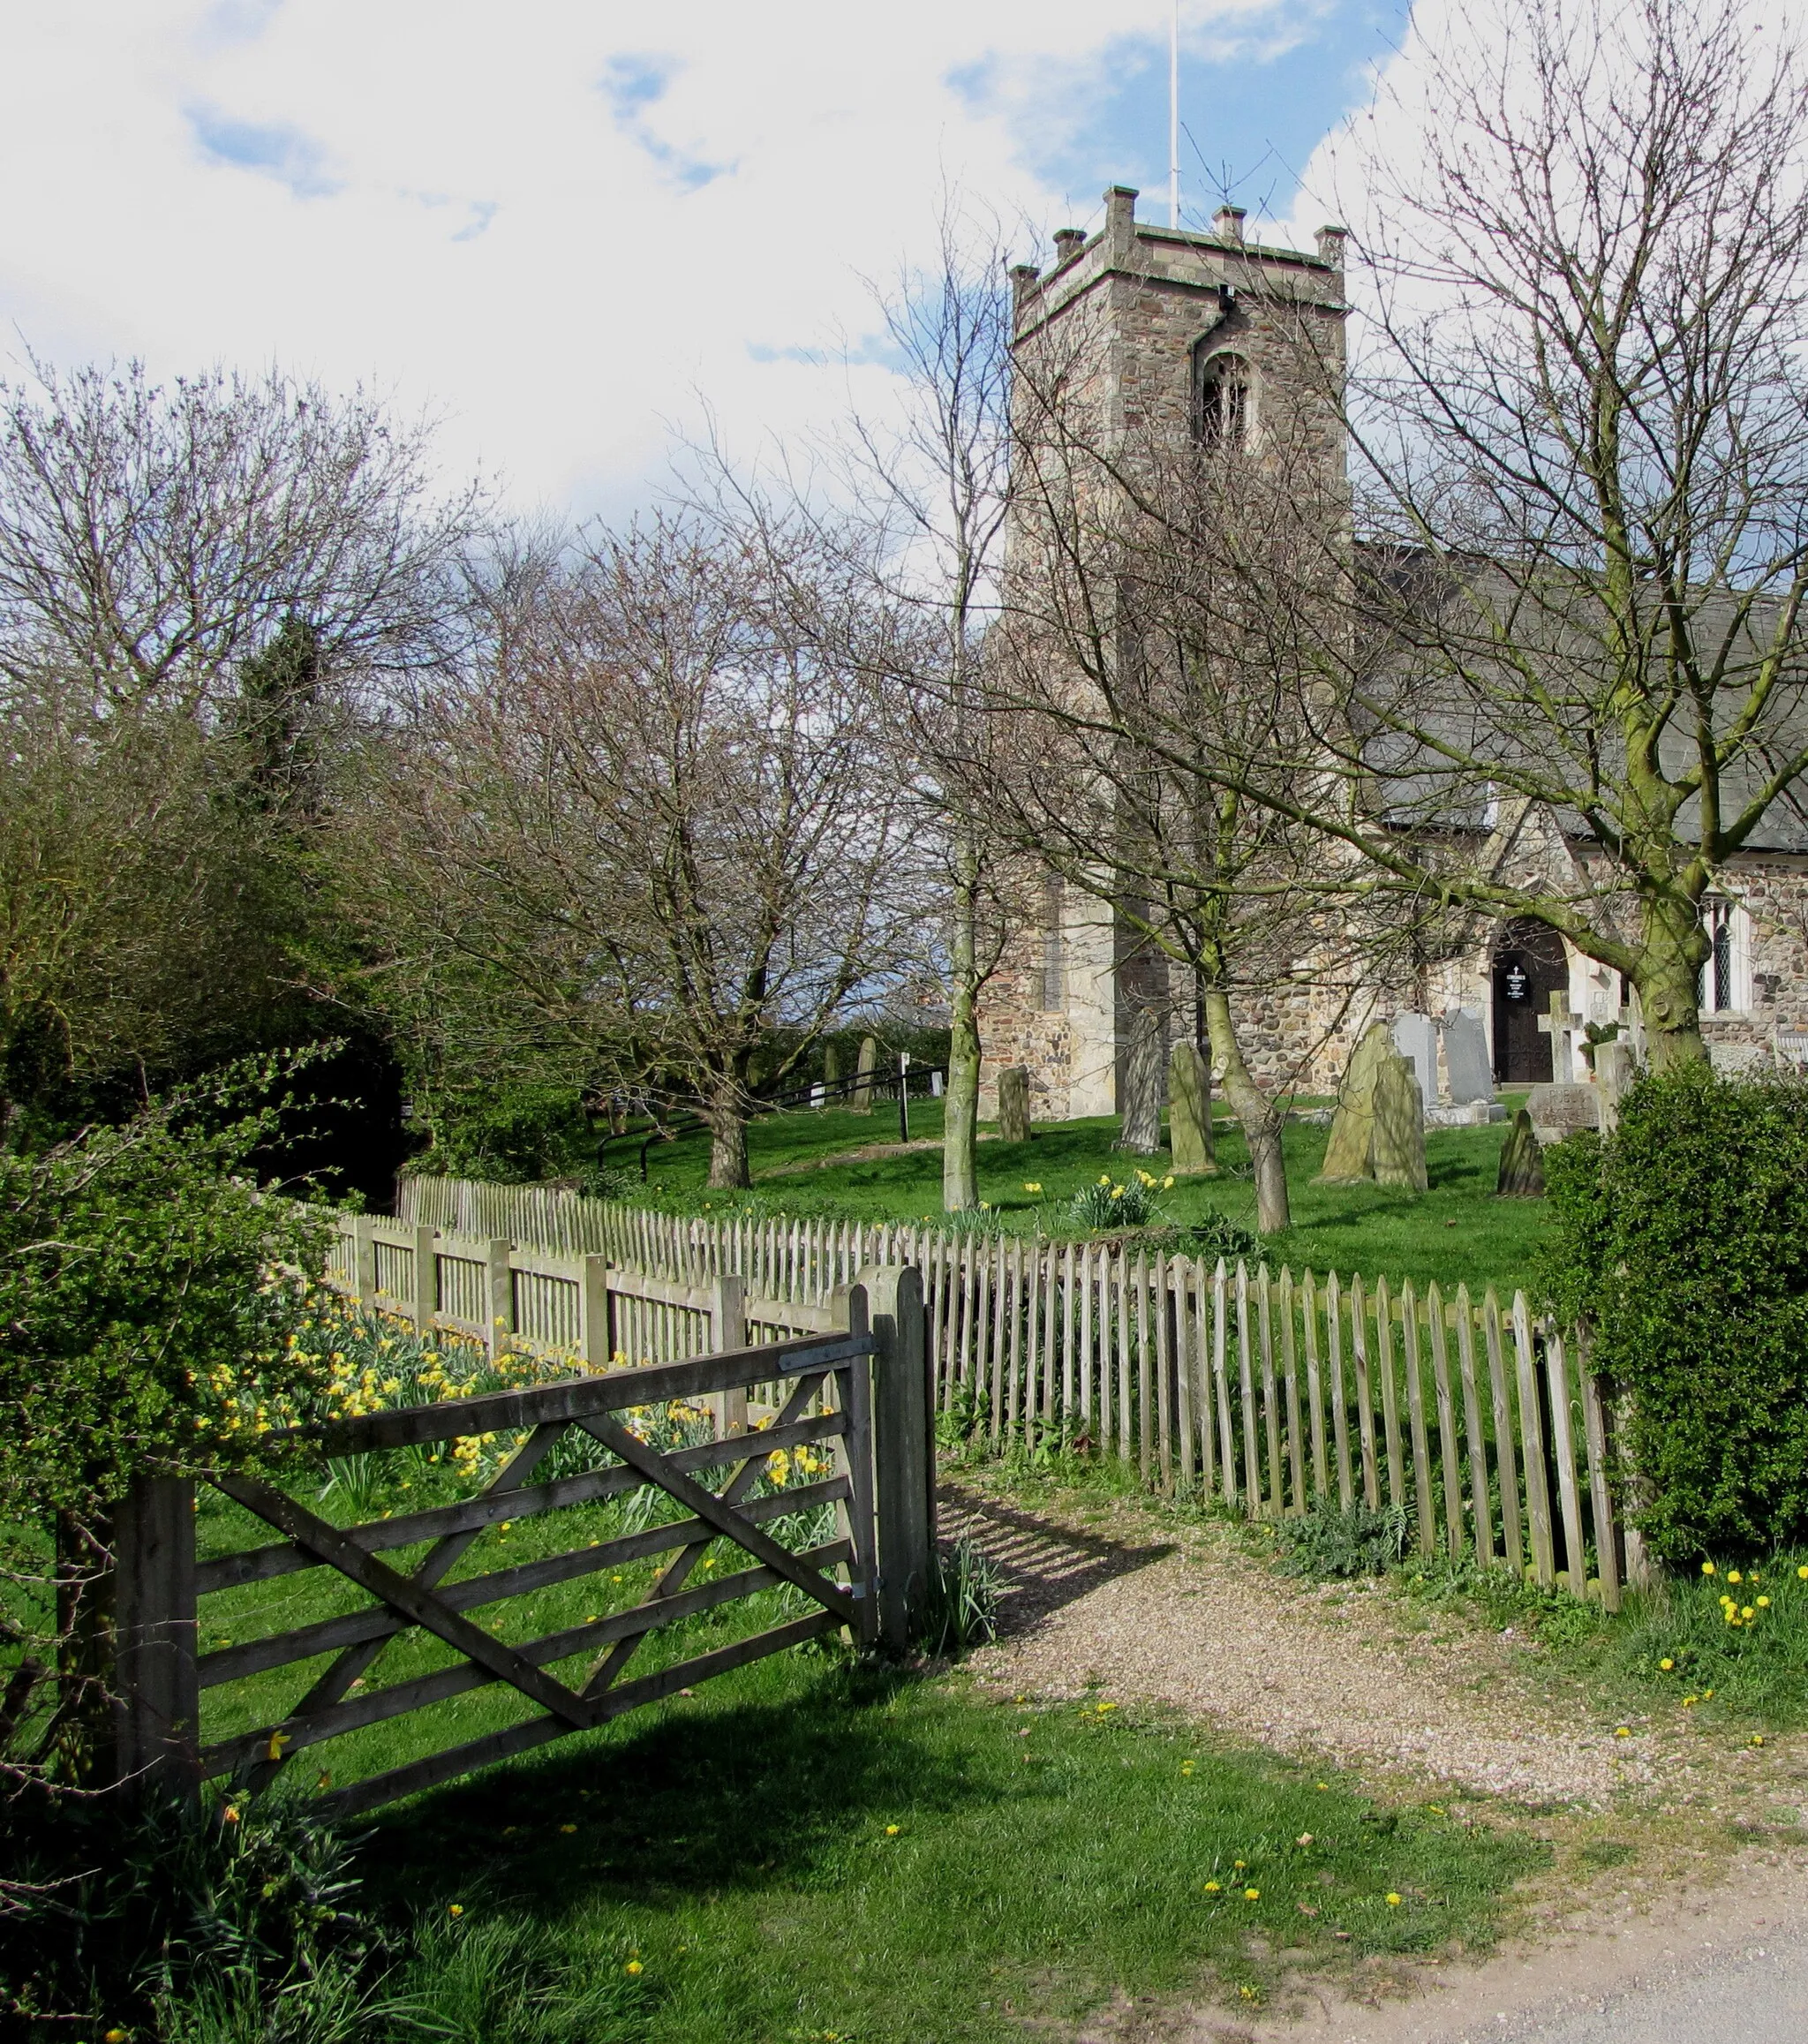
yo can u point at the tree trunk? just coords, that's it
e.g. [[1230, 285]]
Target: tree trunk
[[1260, 1120], [1669, 979], [961, 1104], [727, 1121]]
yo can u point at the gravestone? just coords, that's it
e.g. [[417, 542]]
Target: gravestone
[[1561, 1026], [1521, 1168], [1013, 1103], [831, 1066], [1560, 1111], [818, 1094], [1397, 1149], [1189, 1111], [863, 1068], [1140, 1131], [1613, 1076], [1415, 1038], [935, 1085], [1346, 1156], [1466, 1058]]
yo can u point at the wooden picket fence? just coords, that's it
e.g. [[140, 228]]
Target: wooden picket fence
[[1258, 1389]]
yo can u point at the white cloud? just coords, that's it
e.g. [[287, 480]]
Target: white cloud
[[553, 223]]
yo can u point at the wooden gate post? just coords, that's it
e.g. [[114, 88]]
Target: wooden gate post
[[426, 1278], [728, 1330], [903, 1449], [499, 1296], [364, 1259], [157, 1705]]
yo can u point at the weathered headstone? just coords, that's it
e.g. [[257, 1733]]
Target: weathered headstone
[[1013, 1103], [1521, 1168], [1560, 1111], [1189, 1111], [1397, 1145], [935, 1085], [1415, 1038], [1140, 1131], [831, 1066], [1466, 1058], [865, 1065], [1613, 1077], [1347, 1154]]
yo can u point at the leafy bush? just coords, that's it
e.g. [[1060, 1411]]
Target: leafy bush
[[174, 1916], [1216, 1235], [1682, 1242], [1338, 1541]]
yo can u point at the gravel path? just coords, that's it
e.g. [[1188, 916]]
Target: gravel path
[[1169, 1615]]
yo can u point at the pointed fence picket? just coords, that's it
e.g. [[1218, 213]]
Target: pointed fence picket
[[1260, 1389]]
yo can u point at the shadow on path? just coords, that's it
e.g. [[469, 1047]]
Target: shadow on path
[[1040, 1567]]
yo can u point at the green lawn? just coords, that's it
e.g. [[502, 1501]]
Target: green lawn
[[1457, 1232], [815, 1851]]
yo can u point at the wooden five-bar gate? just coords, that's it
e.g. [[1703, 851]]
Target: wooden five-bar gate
[[857, 1391]]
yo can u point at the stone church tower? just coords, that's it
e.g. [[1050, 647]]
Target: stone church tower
[[1160, 330]]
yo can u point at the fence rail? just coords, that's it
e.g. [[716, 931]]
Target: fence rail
[[1266, 1392]]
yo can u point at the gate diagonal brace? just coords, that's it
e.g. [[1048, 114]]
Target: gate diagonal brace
[[713, 1511], [609, 1666], [335, 1681], [418, 1605]]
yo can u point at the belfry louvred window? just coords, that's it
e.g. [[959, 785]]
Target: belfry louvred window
[[1221, 401]]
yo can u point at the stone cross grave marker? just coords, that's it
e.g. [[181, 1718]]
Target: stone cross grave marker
[[1559, 1025]]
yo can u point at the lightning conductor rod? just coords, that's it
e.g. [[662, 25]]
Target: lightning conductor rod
[[1174, 116]]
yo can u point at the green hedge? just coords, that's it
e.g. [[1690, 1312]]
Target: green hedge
[[1683, 1239]]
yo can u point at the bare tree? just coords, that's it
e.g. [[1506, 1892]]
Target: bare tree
[[152, 537], [654, 830], [1582, 486]]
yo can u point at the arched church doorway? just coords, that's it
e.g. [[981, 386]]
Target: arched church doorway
[[1529, 966]]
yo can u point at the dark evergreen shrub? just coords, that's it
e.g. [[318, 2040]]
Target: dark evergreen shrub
[[1682, 1241]]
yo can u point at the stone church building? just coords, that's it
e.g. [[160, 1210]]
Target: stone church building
[[1178, 324]]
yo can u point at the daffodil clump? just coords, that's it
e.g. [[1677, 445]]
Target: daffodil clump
[[1128, 1203]]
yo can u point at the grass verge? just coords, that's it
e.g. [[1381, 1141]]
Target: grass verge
[[814, 1851]]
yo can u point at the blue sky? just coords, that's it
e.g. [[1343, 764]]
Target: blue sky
[[570, 230], [1258, 95]]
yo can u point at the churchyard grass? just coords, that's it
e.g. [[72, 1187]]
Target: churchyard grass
[[1458, 1231]]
